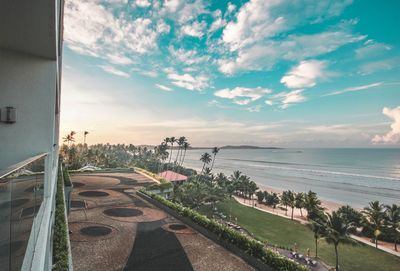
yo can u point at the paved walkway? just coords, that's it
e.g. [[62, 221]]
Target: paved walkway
[[113, 229]]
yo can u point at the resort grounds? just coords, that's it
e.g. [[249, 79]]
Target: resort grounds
[[114, 229], [279, 231]]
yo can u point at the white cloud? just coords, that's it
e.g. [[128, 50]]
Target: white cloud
[[305, 74], [357, 88], [218, 22], [187, 57], [256, 108], [231, 8], [372, 49], [119, 59], [152, 74], [172, 5], [379, 65], [287, 99], [263, 56], [112, 70], [258, 20], [142, 3], [92, 29], [392, 136], [196, 29], [162, 87], [242, 95], [188, 81], [269, 102]]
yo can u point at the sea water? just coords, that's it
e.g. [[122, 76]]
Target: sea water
[[346, 176]]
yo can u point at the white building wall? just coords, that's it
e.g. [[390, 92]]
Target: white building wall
[[27, 83]]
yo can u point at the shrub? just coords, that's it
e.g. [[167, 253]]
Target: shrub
[[60, 239], [67, 179], [249, 246]]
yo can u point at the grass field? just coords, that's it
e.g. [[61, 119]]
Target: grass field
[[284, 232]]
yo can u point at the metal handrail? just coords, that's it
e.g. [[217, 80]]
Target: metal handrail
[[11, 169]]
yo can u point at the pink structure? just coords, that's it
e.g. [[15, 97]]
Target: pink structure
[[172, 176]]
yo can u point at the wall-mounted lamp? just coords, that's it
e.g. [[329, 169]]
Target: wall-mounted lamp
[[9, 116]]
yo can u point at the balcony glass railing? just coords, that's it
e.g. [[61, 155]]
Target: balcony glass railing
[[21, 196]]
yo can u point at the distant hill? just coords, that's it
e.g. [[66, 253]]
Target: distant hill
[[239, 147], [247, 147]]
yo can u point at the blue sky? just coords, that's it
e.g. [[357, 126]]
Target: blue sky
[[274, 73]]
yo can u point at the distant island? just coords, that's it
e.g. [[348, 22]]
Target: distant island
[[238, 147]]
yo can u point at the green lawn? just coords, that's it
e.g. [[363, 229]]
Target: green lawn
[[284, 232]]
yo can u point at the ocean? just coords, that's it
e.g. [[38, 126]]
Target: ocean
[[346, 176]]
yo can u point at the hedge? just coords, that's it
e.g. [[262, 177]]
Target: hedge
[[60, 239], [67, 179], [249, 246]]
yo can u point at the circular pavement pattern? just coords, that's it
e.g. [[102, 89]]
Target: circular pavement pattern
[[178, 228], [78, 204], [134, 214], [90, 232], [93, 194], [122, 212], [95, 231]]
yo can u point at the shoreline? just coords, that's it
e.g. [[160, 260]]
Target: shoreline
[[327, 204]]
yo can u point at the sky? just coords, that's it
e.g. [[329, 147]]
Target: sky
[[278, 73]]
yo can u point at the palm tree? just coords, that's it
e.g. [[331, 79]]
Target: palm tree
[[206, 159], [291, 200], [336, 231], [214, 151], [69, 137], [312, 204], [84, 137], [393, 222], [180, 142], [318, 228], [375, 218], [285, 200], [185, 146], [252, 188], [299, 202]]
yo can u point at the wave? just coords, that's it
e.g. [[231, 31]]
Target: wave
[[316, 170]]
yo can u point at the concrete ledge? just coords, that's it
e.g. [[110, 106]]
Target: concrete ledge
[[213, 237]]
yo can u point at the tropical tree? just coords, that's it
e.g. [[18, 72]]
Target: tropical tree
[[84, 136], [300, 202], [318, 229], [312, 204], [180, 142], [350, 215], [285, 200], [291, 200], [336, 231], [252, 188], [374, 217], [260, 196], [214, 151], [206, 159], [393, 222], [274, 200], [185, 146], [69, 138], [172, 140]]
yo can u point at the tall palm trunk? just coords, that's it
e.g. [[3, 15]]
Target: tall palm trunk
[[316, 247], [170, 155], [212, 165], [337, 258]]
